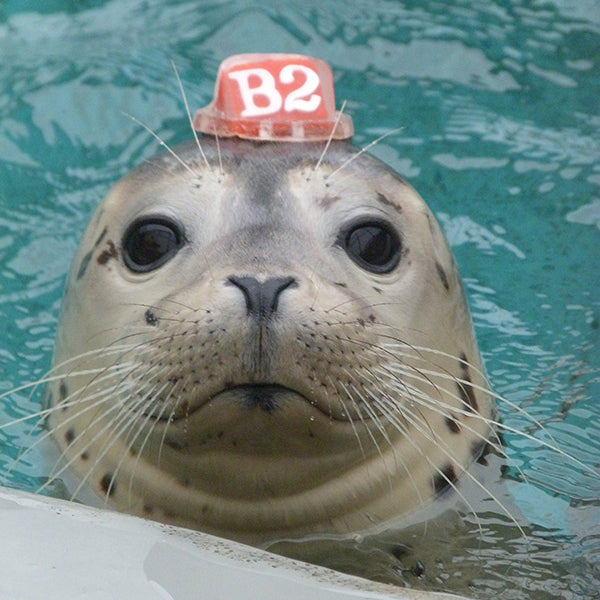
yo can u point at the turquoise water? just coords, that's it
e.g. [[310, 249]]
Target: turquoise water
[[499, 107]]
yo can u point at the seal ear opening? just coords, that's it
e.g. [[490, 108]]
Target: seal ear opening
[[150, 242]]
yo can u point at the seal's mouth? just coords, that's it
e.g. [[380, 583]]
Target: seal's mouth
[[260, 395], [267, 397]]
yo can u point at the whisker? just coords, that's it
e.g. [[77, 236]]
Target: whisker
[[464, 472], [552, 445], [189, 115], [163, 144], [123, 422], [140, 450], [350, 419], [330, 138], [219, 155], [363, 150], [45, 413], [345, 408]]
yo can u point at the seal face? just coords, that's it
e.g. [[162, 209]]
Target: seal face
[[269, 343]]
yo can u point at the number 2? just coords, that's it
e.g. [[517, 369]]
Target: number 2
[[295, 100]]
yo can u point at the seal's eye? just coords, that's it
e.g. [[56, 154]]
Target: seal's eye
[[372, 245], [150, 242]]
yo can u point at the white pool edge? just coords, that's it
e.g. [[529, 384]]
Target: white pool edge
[[53, 549]]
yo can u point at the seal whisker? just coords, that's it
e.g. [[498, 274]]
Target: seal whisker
[[360, 416], [163, 144], [330, 138], [427, 433], [163, 437], [430, 433], [402, 425], [552, 445], [139, 451], [401, 422], [42, 416], [49, 378], [395, 418], [350, 419], [189, 115], [442, 408], [87, 403], [219, 155], [362, 151], [376, 418], [124, 423]]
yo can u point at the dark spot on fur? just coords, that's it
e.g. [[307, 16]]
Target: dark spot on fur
[[442, 274], [109, 252], [400, 551], [48, 400], [431, 227], [378, 290], [479, 450], [465, 390], [384, 200], [107, 484], [372, 318], [84, 456], [63, 393], [151, 318], [85, 261], [341, 284], [452, 424], [69, 436], [101, 237], [175, 444], [444, 479], [328, 200], [418, 569]]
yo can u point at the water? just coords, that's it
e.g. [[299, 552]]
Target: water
[[499, 103]]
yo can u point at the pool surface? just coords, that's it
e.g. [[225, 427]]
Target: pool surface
[[499, 108]]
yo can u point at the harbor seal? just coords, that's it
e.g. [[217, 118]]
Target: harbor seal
[[266, 341]]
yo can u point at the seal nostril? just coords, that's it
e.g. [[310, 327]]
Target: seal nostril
[[262, 298]]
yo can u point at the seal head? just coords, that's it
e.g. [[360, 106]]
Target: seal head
[[263, 342]]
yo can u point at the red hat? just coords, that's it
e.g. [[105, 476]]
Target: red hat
[[274, 97]]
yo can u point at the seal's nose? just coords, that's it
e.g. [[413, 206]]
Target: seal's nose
[[262, 298]]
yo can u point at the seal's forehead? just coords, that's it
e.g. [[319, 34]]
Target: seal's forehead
[[211, 155], [272, 176]]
